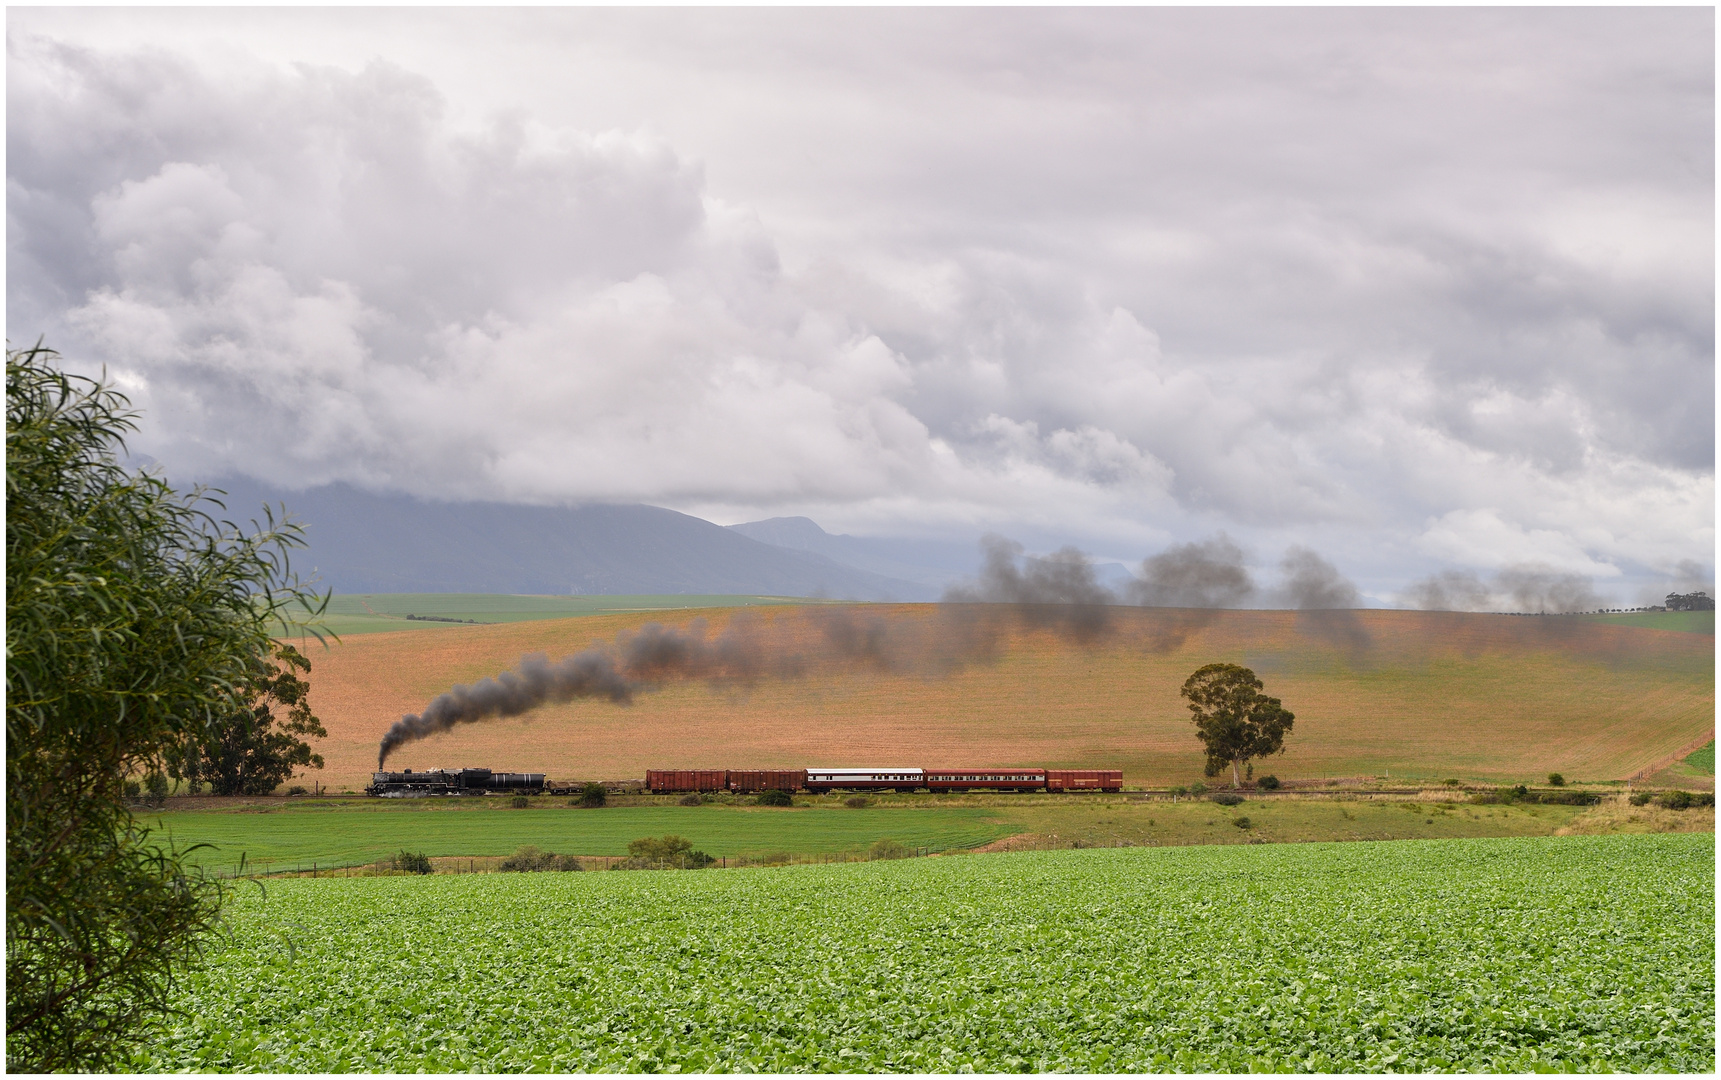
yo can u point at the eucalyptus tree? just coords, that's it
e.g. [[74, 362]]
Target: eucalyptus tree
[[134, 620]]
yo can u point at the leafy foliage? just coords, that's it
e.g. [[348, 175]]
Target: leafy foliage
[[775, 798], [1233, 719], [134, 620], [530, 859], [668, 851], [253, 751], [1577, 953], [889, 849], [593, 795], [412, 863]]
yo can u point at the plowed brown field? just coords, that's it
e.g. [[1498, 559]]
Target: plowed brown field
[[1422, 694]]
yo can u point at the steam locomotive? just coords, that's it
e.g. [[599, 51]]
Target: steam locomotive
[[409, 784]]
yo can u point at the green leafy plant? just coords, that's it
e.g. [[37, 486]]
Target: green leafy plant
[[888, 849], [775, 798], [691, 799], [135, 621], [593, 795], [1268, 783], [412, 863], [1226, 798], [519, 802], [1556, 780]]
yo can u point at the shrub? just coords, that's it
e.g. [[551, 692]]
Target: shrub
[[1556, 780], [775, 798], [296, 789], [1226, 798], [592, 795], [1198, 788], [133, 789], [412, 864], [566, 862], [1269, 783], [1244, 823], [1675, 800], [888, 849], [156, 784], [660, 848], [690, 799], [1451, 781], [857, 802], [528, 859], [520, 802], [1640, 798]]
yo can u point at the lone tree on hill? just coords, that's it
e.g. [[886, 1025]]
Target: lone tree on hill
[[1233, 719], [252, 751]]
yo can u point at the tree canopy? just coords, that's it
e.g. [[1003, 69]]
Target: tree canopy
[[135, 620], [253, 751], [1233, 719]]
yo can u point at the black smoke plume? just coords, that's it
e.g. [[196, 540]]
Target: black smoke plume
[[653, 656], [1058, 591], [1450, 590], [1544, 591], [1191, 582], [1324, 599], [1208, 574]]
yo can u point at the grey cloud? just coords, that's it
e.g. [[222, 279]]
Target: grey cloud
[[1338, 271]]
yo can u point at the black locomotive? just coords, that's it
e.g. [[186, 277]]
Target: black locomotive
[[409, 784]]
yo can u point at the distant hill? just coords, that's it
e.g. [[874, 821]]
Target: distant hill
[[937, 564], [366, 543]]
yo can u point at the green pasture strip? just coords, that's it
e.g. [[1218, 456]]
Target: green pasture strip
[[1703, 760], [1097, 823], [1686, 622], [335, 837], [370, 613], [1513, 955]]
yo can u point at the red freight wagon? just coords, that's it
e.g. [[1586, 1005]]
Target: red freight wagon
[[1003, 779], [1084, 780], [670, 780], [767, 779]]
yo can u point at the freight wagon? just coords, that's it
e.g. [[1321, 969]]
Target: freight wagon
[[1084, 780], [751, 780], [660, 781]]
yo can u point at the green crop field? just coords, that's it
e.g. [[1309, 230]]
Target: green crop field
[[303, 833], [374, 613], [339, 836], [1516, 955], [1685, 622]]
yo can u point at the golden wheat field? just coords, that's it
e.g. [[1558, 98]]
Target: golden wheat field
[[1419, 695]]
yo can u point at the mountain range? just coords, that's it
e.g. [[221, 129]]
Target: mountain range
[[360, 542]]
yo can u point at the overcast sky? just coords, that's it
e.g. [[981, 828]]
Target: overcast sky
[[1420, 290]]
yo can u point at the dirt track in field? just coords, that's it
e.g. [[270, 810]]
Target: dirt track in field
[[1420, 694]]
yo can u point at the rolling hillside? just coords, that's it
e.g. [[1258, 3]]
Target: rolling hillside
[[1424, 695]]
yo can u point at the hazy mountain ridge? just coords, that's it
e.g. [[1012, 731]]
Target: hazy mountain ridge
[[362, 542]]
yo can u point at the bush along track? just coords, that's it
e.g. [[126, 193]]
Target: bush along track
[[1473, 955]]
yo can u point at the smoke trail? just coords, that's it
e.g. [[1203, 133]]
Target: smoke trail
[[1208, 574], [1190, 582], [588, 674], [652, 656], [1324, 599], [1543, 590], [1450, 590], [1058, 591]]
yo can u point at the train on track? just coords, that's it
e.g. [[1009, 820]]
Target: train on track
[[408, 784], [669, 781]]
